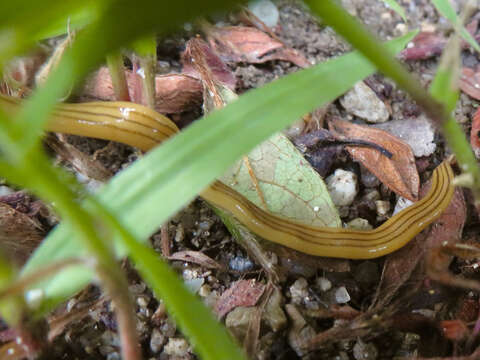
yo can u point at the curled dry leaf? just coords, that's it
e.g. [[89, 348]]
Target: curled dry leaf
[[200, 62], [400, 265], [425, 45], [475, 134], [240, 293], [175, 93], [398, 173], [250, 45], [470, 82]]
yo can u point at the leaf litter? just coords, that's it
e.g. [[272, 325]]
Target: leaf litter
[[317, 320]]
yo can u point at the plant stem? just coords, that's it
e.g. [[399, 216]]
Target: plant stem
[[117, 72]]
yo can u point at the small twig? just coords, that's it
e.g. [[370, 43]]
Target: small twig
[[117, 72]]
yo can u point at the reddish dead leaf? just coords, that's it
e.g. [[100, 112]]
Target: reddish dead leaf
[[470, 82], [240, 293], [400, 265], [398, 173], [19, 233], [195, 257], [200, 61], [475, 133], [12, 351], [425, 45], [454, 330], [175, 93], [250, 45]]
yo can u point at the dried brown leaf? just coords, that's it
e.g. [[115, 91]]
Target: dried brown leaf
[[470, 82], [201, 62], [175, 93], [250, 45], [398, 173], [196, 257], [240, 293]]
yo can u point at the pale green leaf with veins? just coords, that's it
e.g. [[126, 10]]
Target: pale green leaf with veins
[[290, 186]]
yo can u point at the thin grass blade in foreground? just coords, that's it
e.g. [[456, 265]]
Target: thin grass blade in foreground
[[154, 188]]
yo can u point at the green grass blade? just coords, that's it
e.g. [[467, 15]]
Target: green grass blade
[[154, 188], [446, 10]]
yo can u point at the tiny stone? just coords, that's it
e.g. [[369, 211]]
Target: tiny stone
[[266, 11], [238, 320], [274, 314], [194, 284], [179, 233], [342, 186], [359, 224], [5, 190], [299, 290], [341, 295], [368, 179], [402, 204], [204, 290], [373, 195], [176, 347], [157, 340], [205, 225], [241, 264], [383, 207], [324, 284], [362, 102], [364, 351], [142, 301], [416, 132], [400, 29]]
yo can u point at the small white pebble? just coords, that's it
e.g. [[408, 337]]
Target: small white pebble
[[359, 224], [362, 102], [383, 207], [176, 347], [324, 284], [341, 295], [342, 186], [299, 290], [402, 204], [266, 11]]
